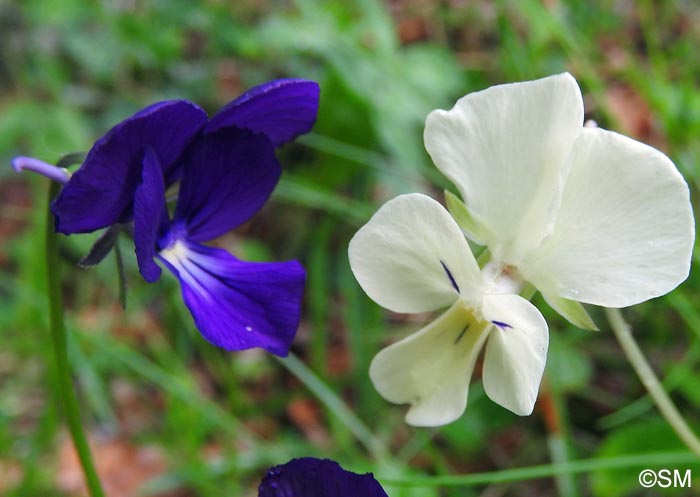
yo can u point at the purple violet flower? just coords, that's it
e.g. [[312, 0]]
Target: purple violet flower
[[310, 477], [227, 170]]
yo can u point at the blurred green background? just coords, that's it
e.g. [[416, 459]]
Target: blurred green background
[[170, 415]]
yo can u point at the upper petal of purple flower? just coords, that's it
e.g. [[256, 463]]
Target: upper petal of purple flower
[[228, 176], [310, 477], [101, 192], [150, 215], [282, 110], [238, 305]]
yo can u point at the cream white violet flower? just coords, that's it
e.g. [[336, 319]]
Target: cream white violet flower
[[412, 257], [583, 215]]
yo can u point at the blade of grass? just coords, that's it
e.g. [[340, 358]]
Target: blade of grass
[[680, 302], [670, 382], [623, 333], [70, 404], [319, 288], [336, 406], [363, 320], [298, 192], [664, 459]]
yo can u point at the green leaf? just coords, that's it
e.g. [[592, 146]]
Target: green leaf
[[295, 190], [469, 224], [572, 311]]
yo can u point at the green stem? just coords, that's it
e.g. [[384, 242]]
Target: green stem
[[623, 333], [63, 371], [336, 405], [662, 459]]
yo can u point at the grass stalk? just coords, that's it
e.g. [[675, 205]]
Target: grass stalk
[[661, 459], [634, 354], [336, 406], [70, 404]]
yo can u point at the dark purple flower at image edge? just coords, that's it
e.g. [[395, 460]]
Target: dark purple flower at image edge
[[311, 477]]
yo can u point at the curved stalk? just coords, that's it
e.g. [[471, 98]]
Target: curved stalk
[[623, 333], [63, 370], [336, 406]]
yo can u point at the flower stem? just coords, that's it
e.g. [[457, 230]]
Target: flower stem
[[63, 370], [623, 333], [336, 406]]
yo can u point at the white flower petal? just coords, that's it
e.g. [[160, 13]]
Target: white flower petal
[[505, 148], [412, 257], [516, 352], [625, 228], [431, 369]]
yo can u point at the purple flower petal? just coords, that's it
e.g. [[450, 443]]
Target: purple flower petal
[[228, 177], [101, 192], [310, 477], [238, 305], [282, 109], [150, 215]]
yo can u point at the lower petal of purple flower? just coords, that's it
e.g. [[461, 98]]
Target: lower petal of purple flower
[[238, 305], [310, 477]]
